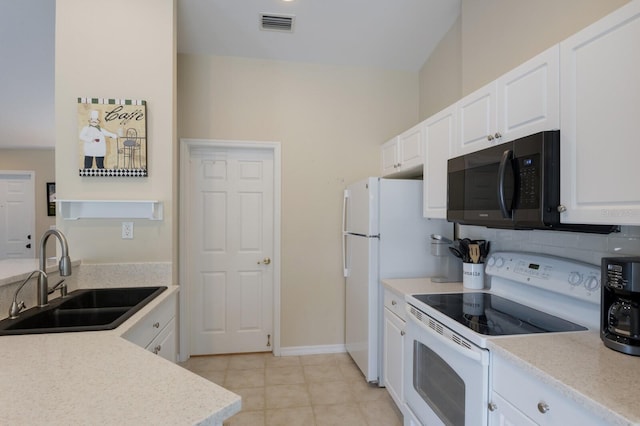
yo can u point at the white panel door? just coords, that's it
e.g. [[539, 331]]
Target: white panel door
[[232, 222], [17, 218]]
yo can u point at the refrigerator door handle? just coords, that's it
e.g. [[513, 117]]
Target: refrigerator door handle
[[345, 198]]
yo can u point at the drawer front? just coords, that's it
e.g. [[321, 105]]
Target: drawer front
[[395, 303], [165, 344], [532, 397], [149, 326]]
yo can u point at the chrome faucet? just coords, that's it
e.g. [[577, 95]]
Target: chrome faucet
[[64, 266], [16, 306]]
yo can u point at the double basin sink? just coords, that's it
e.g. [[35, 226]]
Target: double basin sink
[[82, 310]]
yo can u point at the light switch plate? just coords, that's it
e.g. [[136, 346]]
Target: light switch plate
[[127, 230]]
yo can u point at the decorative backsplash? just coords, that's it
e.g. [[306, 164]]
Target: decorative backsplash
[[588, 248]]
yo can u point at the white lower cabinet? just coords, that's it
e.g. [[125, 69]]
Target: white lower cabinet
[[156, 332], [393, 352], [518, 398]]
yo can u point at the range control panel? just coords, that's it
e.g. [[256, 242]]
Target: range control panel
[[559, 275]]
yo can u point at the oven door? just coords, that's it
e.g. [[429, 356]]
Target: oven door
[[446, 383]]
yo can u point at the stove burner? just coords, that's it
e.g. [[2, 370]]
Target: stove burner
[[493, 315]]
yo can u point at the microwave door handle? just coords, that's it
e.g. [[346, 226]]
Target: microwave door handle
[[507, 156]]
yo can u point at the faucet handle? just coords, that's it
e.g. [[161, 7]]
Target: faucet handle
[[63, 288], [16, 308]]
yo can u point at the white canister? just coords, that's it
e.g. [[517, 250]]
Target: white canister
[[473, 275]]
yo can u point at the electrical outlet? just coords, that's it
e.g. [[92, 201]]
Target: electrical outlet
[[127, 230]]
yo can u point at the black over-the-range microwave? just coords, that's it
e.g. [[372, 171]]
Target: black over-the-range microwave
[[514, 185]]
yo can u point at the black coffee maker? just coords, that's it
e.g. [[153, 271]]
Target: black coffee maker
[[620, 307]]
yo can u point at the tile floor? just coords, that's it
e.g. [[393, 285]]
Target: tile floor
[[311, 390]]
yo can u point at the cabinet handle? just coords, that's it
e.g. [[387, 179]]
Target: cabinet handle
[[490, 138], [157, 349], [498, 135], [543, 407], [561, 209], [493, 406], [156, 325], [402, 333], [394, 303]]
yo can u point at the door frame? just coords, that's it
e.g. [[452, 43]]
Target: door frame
[[186, 147]]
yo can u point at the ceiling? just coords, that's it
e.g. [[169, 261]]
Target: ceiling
[[391, 34], [388, 34]]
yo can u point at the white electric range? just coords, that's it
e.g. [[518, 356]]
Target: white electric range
[[447, 379]]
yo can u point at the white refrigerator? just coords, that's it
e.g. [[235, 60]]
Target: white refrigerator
[[384, 236]]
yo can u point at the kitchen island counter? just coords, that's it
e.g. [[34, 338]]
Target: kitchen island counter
[[576, 364], [100, 378]]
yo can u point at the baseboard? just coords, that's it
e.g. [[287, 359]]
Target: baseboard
[[312, 350]]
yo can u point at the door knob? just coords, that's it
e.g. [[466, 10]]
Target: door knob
[[265, 261]]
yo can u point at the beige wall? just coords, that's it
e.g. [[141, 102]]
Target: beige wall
[[441, 75], [117, 49], [330, 122], [41, 161], [495, 36]]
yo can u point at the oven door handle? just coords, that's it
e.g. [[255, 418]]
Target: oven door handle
[[463, 350]]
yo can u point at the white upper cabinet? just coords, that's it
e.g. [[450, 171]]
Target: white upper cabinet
[[529, 97], [389, 156], [403, 155], [440, 137], [476, 120], [521, 102], [600, 111]]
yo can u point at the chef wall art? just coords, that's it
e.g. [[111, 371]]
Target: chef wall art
[[112, 137]]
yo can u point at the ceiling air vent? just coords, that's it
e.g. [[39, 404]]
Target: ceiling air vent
[[273, 22]]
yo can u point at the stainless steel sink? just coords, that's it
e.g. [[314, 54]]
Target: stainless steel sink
[[82, 310]]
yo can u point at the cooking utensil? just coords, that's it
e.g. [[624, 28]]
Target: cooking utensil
[[455, 252], [474, 252]]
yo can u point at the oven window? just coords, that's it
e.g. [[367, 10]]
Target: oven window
[[438, 385]]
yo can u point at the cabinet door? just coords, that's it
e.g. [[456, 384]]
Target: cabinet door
[[389, 156], [529, 97], [504, 414], [477, 120], [393, 356], [600, 111], [439, 131], [411, 148]]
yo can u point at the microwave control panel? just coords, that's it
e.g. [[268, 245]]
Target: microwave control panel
[[529, 172]]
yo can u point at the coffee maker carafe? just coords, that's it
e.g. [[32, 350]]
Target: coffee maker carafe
[[620, 308]]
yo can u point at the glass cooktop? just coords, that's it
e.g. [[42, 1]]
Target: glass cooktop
[[493, 315]]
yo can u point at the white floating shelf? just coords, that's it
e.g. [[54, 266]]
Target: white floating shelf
[[110, 209]]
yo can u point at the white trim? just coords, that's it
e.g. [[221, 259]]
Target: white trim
[[186, 145], [312, 350]]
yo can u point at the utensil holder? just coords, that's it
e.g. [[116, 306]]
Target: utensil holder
[[473, 275]]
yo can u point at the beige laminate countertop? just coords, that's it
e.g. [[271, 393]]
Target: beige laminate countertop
[[101, 378], [576, 364]]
